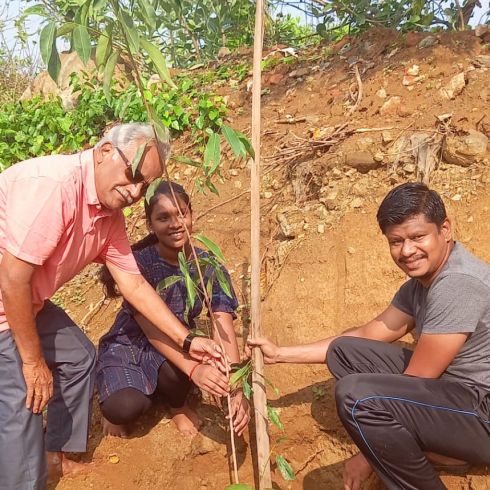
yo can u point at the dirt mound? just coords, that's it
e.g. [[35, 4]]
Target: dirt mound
[[333, 145]]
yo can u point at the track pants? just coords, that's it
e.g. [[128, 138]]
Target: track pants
[[393, 418], [71, 358]]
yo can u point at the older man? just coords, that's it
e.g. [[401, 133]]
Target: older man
[[399, 405], [58, 214]]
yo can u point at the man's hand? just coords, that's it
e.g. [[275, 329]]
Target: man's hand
[[356, 470], [39, 381], [240, 412], [268, 348], [210, 379]]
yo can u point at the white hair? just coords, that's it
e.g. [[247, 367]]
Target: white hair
[[125, 135]]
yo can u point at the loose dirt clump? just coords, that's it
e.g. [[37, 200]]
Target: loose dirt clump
[[325, 264]]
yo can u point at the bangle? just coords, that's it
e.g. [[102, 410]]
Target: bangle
[[186, 346], [192, 371]]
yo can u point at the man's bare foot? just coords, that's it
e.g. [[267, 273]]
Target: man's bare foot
[[186, 420], [109, 429], [356, 470], [59, 466]]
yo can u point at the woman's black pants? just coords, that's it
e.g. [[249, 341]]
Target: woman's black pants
[[393, 418], [127, 405]]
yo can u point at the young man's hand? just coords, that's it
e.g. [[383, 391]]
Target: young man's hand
[[268, 348]]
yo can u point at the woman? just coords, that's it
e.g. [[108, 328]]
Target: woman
[[137, 362]]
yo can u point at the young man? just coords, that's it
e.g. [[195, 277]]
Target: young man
[[397, 405], [58, 214]]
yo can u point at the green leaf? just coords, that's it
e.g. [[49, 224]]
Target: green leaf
[[241, 373], [167, 282], [162, 132], [65, 29], [187, 161], [151, 189], [211, 246], [108, 72], [239, 486], [148, 14], [81, 43], [272, 385], [236, 145], [137, 157], [223, 282], [104, 47], [273, 416], [46, 40], [285, 468], [189, 283], [127, 211], [129, 30], [247, 389], [158, 60], [211, 186], [212, 154], [246, 143]]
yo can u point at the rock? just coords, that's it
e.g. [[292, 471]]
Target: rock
[[267, 195], [223, 52], [454, 87], [456, 197], [408, 80], [300, 72], [409, 168], [365, 143], [276, 78], [362, 161], [413, 71], [482, 60], [387, 137], [321, 228], [330, 200], [378, 156], [381, 93], [357, 203], [483, 32], [234, 172], [390, 107], [291, 221], [465, 150], [428, 42]]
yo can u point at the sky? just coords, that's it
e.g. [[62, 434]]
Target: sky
[[14, 7]]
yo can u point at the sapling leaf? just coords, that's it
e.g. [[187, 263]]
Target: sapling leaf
[[239, 374], [127, 211], [236, 145], [247, 389], [104, 46], [211, 246], [167, 282], [211, 186], [246, 143], [239, 486], [151, 189], [161, 131], [285, 468], [272, 385], [212, 154], [199, 332], [209, 289], [148, 14], [81, 43], [273, 416], [108, 72], [48, 34], [158, 60], [189, 283], [65, 29], [186, 160], [137, 157], [223, 282], [129, 30]]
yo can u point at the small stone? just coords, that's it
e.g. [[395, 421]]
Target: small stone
[[454, 87], [113, 459], [351, 250], [357, 203], [381, 93], [413, 70], [409, 168], [378, 157], [456, 197], [362, 161], [482, 60], [267, 195], [470, 219], [321, 228], [483, 32], [176, 175], [234, 172], [237, 184], [466, 149], [428, 41], [387, 137]]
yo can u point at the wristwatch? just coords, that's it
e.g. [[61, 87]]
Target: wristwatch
[[186, 346]]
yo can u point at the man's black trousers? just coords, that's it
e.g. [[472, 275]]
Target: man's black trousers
[[393, 418]]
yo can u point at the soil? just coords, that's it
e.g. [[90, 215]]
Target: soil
[[332, 271]]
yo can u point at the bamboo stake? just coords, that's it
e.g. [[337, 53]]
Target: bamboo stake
[[259, 393]]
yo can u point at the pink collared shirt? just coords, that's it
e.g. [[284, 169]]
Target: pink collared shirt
[[50, 216]]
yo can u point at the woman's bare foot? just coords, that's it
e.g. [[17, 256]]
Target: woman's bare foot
[[356, 470], [109, 429], [186, 420], [59, 465]]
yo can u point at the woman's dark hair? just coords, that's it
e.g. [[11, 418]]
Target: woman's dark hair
[[163, 188], [407, 200]]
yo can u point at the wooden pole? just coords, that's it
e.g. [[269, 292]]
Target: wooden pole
[[259, 389]]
